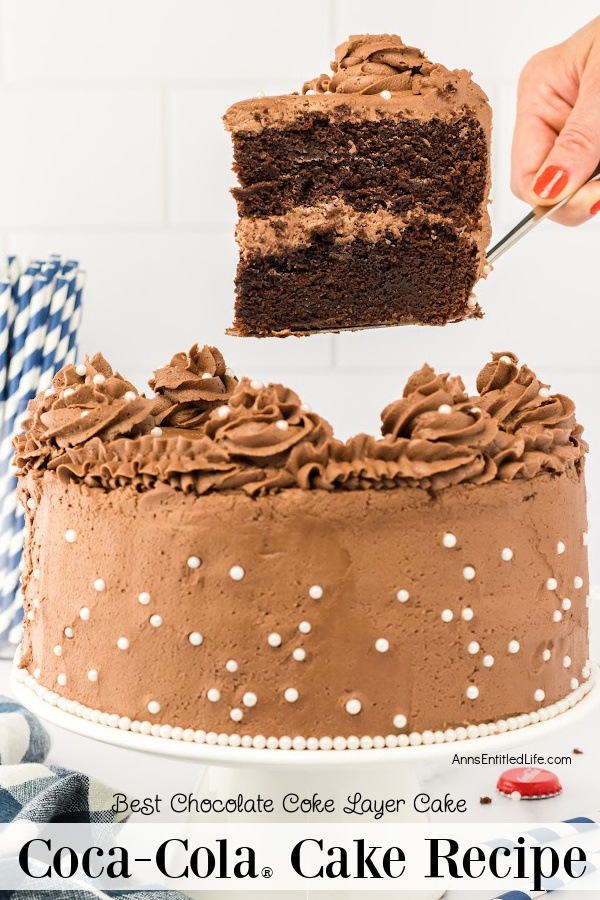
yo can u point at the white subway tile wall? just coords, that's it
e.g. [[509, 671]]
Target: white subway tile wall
[[113, 151]]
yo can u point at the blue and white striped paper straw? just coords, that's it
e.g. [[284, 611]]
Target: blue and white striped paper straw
[[546, 834], [40, 312]]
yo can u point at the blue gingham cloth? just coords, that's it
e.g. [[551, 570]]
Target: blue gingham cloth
[[33, 791]]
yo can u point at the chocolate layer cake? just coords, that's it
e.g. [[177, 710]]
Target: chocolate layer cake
[[362, 201], [237, 575]]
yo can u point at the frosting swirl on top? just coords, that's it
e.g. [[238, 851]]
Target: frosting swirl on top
[[263, 424], [98, 403], [93, 427], [523, 405], [371, 63], [190, 386]]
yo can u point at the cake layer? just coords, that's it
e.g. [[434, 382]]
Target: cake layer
[[422, 273], [398, 164], [306, 612]]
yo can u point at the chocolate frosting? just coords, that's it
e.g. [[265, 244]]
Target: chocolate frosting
[[78, 408], [371, 63], [190, 386], [246, 436]]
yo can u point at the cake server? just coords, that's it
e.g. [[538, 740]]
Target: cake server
[[533, 218]]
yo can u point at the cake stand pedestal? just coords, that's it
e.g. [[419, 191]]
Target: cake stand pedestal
[[377, 774]]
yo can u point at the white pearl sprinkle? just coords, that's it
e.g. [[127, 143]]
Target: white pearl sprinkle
[[98, 378], [546, 654], [560, 548], [586, 539], [31, 504], [206, 375], [473, 648], [49, 392], [144, 598], [31, 615], [195, 638], [468, 573], [544, 392], [61, 679], [81, 370], [260, 94], [566, 604], [223, 412], [353, 706], [567, 662], [402, 596], [507, 554], [249, 699], [36, 602], [156, 431], [467, 614], [231, 665], [84, 613], [447, 615], [315, 592], [304, 627], [513, 646], [472, 692], [236, 573], [99, 585], [256, 385], [36, 673], [236, 714], [574, 684], [274, 639], [385, 95], [123, 643], [291, 695], [213, 695], [57, 650], [282, 425], [84, 414], [156, 620], [194, 562], [68, 632], [299, 654], [539, 695], [92, 675], [399, 721], [36, 574], [578, 582], [586, 671], [153, 707], [557, 615], [382, 645], [70, 536], [506, 359], [445, 409], [552, 584], [130, 396], [68, 392], [515, 795], [488, 660]]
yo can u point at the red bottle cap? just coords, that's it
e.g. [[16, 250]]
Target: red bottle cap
[[530, 782]]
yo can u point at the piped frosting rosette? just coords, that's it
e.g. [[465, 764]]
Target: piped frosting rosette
[[86, 401], [190, 386], [369, 64], [93, 427]]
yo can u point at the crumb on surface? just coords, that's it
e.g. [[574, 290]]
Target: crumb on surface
[[485, 801], [577, 752]]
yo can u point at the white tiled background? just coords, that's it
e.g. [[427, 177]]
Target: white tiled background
[[112, 150]]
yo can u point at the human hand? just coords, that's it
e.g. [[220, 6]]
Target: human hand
[[556, 143]]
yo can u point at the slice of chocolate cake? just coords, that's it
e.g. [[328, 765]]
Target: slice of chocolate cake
[[362, 201]]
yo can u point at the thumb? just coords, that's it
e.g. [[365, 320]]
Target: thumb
[[576, 151]]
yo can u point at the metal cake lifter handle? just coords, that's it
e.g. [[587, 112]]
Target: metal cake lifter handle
[[533, 218]]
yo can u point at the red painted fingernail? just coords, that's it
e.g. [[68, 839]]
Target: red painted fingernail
[[551, 183], [595, 208]]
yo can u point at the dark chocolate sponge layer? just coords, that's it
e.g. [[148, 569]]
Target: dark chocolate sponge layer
[[425, 276], [437, 166]]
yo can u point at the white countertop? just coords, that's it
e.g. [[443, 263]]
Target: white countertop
[[141, 776]]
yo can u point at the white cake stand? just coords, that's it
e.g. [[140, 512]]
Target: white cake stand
[[387, 773]]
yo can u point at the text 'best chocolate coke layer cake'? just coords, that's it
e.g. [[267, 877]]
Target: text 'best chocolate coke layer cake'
[[362, 201], [212, 565]]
